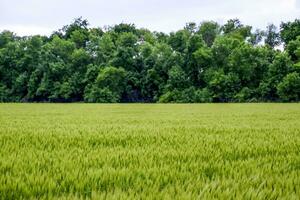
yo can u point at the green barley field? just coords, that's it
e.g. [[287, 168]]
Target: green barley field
[[149, 151]]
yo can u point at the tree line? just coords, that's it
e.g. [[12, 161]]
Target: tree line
[[122, 63]]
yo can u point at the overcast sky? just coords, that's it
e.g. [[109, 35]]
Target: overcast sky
[[27, 17]]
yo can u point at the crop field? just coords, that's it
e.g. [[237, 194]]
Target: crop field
[[149, 151]]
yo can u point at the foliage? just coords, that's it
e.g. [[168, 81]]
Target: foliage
[[289, 87], [290, 30], [108, 86], [223, 63], [209, 31], [272, 36]]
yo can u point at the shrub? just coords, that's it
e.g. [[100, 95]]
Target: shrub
[[289, 88]]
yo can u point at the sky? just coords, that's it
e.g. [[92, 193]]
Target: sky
[[29, 17]]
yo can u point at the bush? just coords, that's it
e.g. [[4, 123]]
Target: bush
[[101, 95], [203, 96], [4, 93], [108, 86], [244, 95], [189, 95], [169, 97], [289, 88]]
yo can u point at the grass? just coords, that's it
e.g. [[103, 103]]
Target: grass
[[153, 151]]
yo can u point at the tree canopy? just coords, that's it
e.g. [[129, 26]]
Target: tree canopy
[[208, 62]]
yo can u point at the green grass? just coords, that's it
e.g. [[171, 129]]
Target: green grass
[[138, 151]]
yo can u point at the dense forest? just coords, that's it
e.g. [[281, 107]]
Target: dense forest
[[121, 63]]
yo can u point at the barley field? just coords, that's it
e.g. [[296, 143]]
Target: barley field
[[149, 151]]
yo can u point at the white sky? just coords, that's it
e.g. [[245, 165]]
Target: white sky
[[27, 17]]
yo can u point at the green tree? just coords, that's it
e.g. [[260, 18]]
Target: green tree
[[272, 36], [289, 88], [194, 64], [223, 86], [177, 79], [179, 40], [293, 48], [78, 24], [236, 29], [108, 87], [289, 31], [209, 30], [279, 68], [250, 64], [221, 50], [126, 53], [256, 37], [6, 37]]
